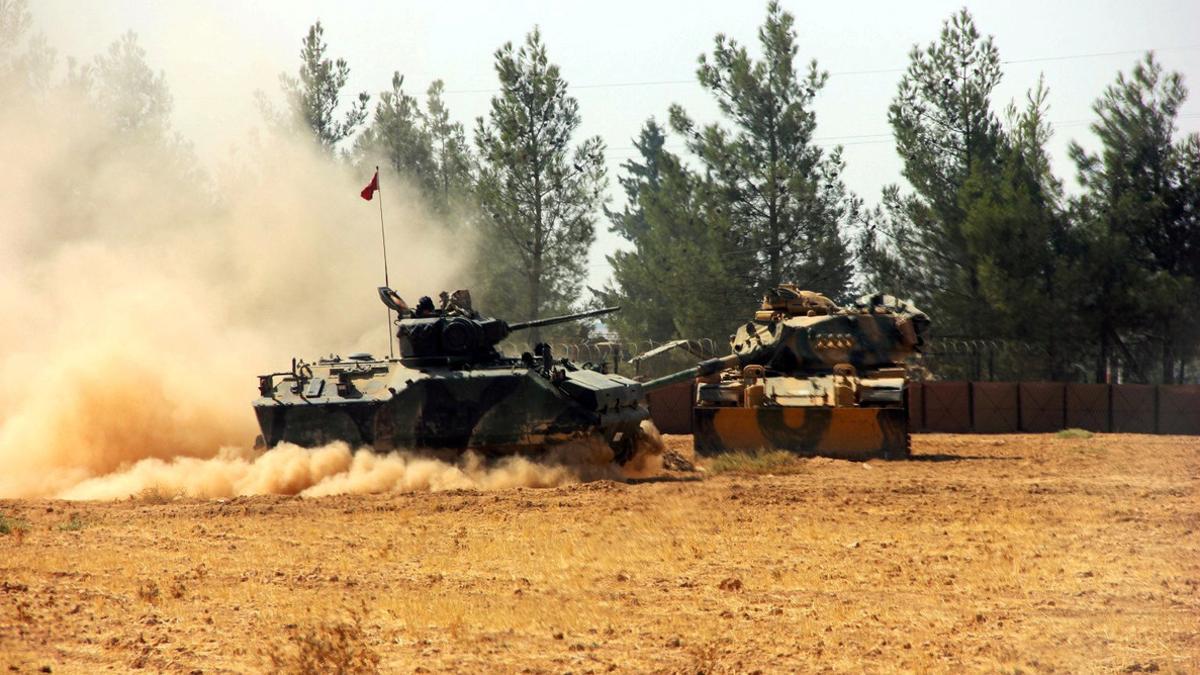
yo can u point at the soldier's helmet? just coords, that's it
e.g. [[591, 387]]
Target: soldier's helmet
[[790, 300]]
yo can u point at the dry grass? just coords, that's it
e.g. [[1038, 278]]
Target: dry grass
[[329, 647], [148, 591], [1074, 434], [771, 462], [73, 524], [154, 496], [10, 525], [994, 553]]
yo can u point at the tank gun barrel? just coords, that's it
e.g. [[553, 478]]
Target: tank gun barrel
[[764, 345], [549, 321], [706, 367]]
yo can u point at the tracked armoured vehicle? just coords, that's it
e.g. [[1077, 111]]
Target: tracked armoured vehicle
[[809, 376], [450, 391]]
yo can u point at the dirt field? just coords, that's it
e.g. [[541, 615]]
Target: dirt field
[[1030, 553]]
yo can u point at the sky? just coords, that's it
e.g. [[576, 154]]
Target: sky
[[627, 61]]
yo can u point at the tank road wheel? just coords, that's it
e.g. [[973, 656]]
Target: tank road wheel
[[624, 443]]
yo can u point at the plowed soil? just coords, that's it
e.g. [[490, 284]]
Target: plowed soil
[[992, 553]]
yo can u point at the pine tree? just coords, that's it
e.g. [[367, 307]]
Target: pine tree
[[453, 182], [637, 284], [313, 96], [1024, 253], [111, 115], [1139, 215], [683, 273], [784, 195], [539, 198], [945, 133], [398, 135], [23, 72], [425, 146], [701, 265], [131, 94]]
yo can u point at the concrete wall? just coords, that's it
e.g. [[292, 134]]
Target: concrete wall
[[1042, 407], [1008, 407]]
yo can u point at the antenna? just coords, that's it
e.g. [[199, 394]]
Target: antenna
[[386, 281]]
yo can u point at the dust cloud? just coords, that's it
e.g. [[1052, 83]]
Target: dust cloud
[[142, 291], [141, 295], [334, 469], [337, 469]]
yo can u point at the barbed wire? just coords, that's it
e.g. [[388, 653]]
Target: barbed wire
[[955, 346], [622, 349], [607, 346]]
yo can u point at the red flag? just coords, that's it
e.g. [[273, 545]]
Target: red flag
[[371, 188]]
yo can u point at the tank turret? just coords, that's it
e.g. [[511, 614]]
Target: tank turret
[[804, 332], [456, 333]]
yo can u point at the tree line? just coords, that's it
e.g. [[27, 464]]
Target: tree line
[[982, 235]]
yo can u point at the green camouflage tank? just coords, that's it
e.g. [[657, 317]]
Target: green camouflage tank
[[450, 391]]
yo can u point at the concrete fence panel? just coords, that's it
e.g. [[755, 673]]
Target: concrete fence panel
[[994, 407], [1042, 407], [1006, 407], [1088, 407], [1133, 408], [1179, 409], [948, 407]]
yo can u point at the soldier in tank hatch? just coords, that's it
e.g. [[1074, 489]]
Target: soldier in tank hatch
[[425, 308]]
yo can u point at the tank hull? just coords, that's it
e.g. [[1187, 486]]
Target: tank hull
[[843, 433], [498, 410]]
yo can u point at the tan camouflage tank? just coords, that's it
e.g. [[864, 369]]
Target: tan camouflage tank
[[812, 377]]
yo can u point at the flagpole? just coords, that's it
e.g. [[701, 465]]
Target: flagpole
[[386, 281]]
